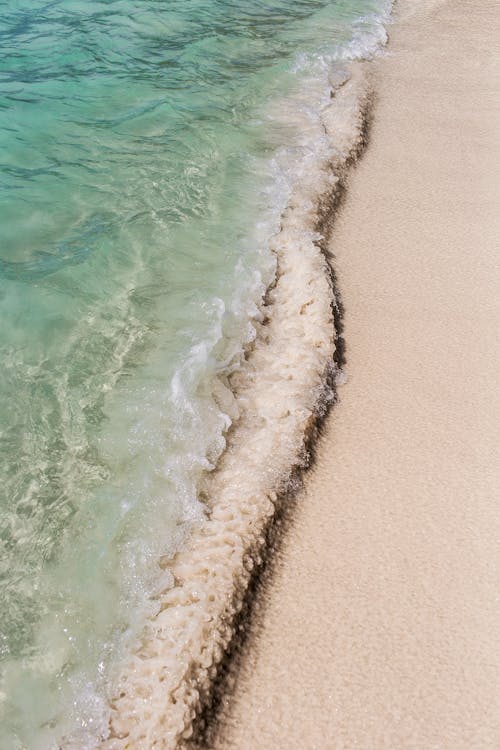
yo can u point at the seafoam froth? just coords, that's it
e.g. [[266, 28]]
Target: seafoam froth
[[276, 392]]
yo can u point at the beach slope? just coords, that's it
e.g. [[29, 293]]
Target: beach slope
[[379, 627]]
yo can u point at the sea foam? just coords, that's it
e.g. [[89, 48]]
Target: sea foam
[[278, 393]]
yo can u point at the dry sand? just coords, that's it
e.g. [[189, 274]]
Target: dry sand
[[379, 629]]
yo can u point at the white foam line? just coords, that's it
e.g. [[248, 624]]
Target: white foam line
[[277, 392]]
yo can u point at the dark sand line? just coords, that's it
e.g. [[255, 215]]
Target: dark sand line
[[206, 723], [247, 622]]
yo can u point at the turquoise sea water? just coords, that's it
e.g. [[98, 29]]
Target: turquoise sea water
[[139, 185]]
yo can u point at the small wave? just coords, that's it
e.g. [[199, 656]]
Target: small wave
[[277, 392]]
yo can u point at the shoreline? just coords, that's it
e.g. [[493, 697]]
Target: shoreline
[[171, 675], [384, 585], [206, 721]]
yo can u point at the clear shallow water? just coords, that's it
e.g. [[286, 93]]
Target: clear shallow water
[[139, 183]]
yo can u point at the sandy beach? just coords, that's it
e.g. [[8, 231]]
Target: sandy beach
[[380, 624]]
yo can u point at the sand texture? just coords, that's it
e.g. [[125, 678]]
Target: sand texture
[[380, 627]]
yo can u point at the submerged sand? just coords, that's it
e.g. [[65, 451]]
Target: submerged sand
[[380, 627]]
